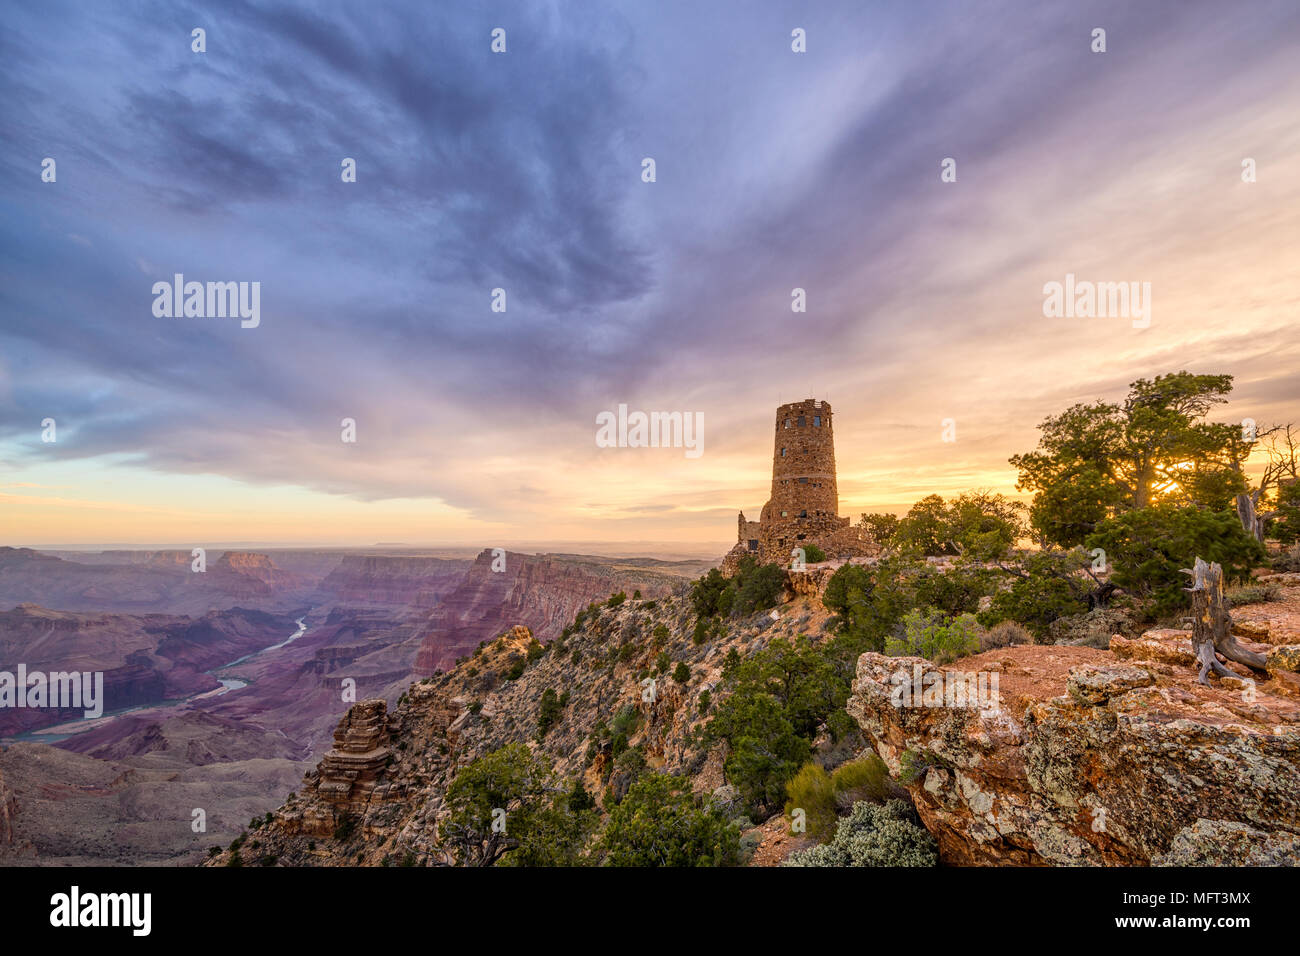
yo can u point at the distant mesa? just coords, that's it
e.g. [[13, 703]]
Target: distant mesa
[[804, 505]]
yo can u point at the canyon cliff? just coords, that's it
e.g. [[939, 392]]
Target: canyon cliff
[[1091, 757], [541, 592]]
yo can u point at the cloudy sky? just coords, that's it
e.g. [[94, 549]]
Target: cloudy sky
[[522, 170]]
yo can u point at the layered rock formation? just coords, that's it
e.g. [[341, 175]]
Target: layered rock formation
[[541, 592], [145, 659], [162, 581], [369, 580], [446, 721], [1094, 758]]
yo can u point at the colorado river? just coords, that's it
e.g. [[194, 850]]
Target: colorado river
[[50, 735]]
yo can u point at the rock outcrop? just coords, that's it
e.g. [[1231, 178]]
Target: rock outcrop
[[374, 580], [391, 809], [1094, 758], [542, 592]]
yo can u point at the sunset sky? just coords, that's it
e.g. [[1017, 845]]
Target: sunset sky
[[523, 171]]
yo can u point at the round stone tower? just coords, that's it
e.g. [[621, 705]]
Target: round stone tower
[[804, 507], [803, 466]]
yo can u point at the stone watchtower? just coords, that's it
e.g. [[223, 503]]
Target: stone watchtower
[[803, 466], [804, 504]]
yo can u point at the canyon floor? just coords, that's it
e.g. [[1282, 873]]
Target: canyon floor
[[218, 699]]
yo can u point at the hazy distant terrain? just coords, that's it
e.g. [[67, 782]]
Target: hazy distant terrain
[[216, 698]]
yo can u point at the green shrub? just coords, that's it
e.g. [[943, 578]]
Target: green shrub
[[661, 823], [616, 599], [681, 673], [548, 713], [864, 779], [813, 554], [765, 751], [811, 791], [1147, 548], [1004, 634], [874, 835], [759, 589], [933, 635], [1050, 585], [706, 593], [701, 633], [1252, 594], [1285, 526]]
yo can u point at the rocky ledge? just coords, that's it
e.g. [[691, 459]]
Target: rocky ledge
[[1094, 757]]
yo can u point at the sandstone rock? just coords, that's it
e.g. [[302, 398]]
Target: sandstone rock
[[1255, 630], [1161, 645], [1105, 762], [1285, 578], [1228, 843], [1285, 658], [1091, 684]]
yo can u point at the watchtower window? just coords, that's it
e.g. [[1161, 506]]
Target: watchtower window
[[803, 481], [787, 423], [817, 421], [785, 514], [782, 452], [803, 514], [802, 421], [753, 544]]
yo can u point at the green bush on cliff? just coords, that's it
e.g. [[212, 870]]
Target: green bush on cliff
[[823, 795], [662, 823], [763, 749], [874, 835], [1146, 548], [813, 554], [753, 588], [758, 588], [549, 712], [935, 636], [782, 698], [508, 802], [812, 793]]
